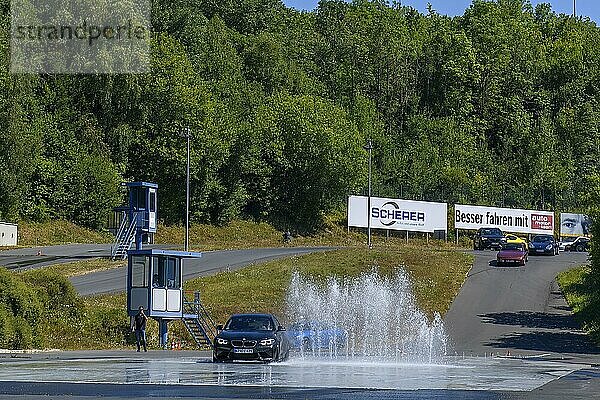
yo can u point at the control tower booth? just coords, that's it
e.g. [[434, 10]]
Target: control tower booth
[[154, 281], [143, 205]]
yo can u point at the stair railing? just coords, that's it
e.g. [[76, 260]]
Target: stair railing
[[201, 317]]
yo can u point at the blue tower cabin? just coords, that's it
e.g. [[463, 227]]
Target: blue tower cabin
[[143, 205], [138, 219]]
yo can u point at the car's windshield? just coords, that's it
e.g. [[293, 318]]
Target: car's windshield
[[544, 238], [249, 323], [513, 246], [491, 231]]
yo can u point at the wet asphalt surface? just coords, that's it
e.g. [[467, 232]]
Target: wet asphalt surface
[[517, 315], [169, 374]]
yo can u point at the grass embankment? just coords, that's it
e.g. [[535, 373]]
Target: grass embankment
[[437, 275], [58, 232], [241, 234], [583, 296], [247, 234], [238, 234]]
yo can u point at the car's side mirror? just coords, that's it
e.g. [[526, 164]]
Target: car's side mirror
[[219, 327], [280, 328]]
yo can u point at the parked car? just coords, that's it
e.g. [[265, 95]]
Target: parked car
[[512, 254], [257, 337], [488, 238], [510, 238], [565, 242], [543, 244], [582, 243], [310, 335]]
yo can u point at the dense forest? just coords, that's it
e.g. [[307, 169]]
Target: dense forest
[[498, 106]]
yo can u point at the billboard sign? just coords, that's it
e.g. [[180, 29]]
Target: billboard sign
[[396, 214], [506, 219], [574, 224]]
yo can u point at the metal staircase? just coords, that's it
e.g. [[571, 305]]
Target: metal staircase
[[198, 322], [124, 238]]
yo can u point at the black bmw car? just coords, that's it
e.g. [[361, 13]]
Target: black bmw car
[[252, 337], [488, 238]]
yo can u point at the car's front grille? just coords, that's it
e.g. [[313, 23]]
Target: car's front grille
[[243, 343]]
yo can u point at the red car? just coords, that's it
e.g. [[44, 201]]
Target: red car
[[512, 253]]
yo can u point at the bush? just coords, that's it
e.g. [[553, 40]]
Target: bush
[[23, 338], [31, 304], [7, 330], [107, 327], [55, 293], [19, 298]]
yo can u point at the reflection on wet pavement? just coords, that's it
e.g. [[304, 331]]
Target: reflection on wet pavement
[[455, 373]]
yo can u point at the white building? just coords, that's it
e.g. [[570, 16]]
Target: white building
[[8, 234]]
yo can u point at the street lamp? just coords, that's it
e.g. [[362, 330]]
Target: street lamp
[[369, 148], [187, 134]]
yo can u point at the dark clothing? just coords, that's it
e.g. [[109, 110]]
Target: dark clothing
[[140, 338], [140, 330], [140, 322]]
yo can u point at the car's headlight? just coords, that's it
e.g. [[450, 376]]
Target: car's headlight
[[267, 342], [484, 238], [222, 341], [549, 247]]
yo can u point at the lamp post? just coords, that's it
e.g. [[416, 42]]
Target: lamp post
[[369, 148], [187, 135]]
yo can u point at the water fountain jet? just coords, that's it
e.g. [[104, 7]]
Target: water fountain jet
[[378, 315]]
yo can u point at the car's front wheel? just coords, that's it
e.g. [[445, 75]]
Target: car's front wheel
[[579, 247]]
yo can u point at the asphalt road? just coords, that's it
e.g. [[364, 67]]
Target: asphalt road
[[516, 309], [114, 280]]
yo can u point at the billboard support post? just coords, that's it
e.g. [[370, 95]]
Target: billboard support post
[[369, 148]]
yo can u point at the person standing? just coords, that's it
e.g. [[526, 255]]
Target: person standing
[[139, 327]]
